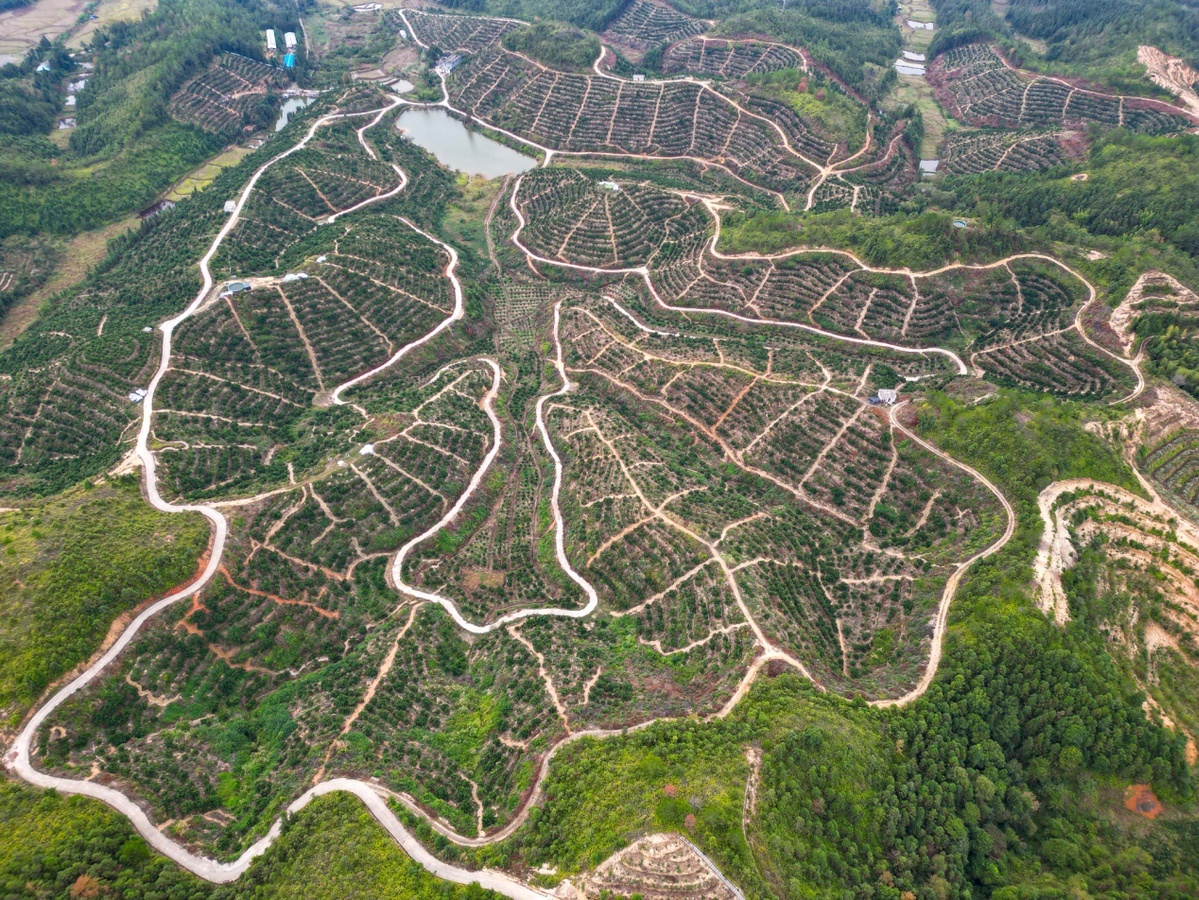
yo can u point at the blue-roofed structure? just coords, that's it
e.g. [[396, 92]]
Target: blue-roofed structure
[[289, 61]]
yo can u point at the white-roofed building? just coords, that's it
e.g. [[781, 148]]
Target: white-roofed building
[[270, 40], [289, 40]]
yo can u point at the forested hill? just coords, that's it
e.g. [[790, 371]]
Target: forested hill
[[1094, 39]]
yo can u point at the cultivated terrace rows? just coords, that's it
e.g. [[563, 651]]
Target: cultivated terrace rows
[[970, 153], [223, 97], [453, 34], [437, 556], [645, 24], [979, 87], [1014, 321]]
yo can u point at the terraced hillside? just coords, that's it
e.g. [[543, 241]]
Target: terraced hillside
[[453, 33], [498, 470], [228, 94], [977, 86], [572, 113], [969, 153], [648, 23], [729, 59]]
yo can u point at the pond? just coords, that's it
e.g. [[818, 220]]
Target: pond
[[290, 105], [459, 147]]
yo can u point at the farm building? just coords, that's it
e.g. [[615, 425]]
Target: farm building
[[884, 397], [230, 205], [289, 61], [270, 40], [156, 208], [289, 40], [929, 166], [447, 64]]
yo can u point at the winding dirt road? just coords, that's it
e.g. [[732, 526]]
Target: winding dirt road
[[19, 758], [951, 585]]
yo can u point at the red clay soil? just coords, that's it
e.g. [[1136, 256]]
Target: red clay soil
[[1139, 799]]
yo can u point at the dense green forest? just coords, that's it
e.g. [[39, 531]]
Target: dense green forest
[[1136, 186], [856, 39], [125, 149], [1094, 39]]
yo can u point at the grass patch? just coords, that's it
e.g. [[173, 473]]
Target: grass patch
[[71, 566], [207, 173], [80, 255]]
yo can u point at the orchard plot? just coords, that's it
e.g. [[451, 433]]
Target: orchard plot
[[230, 93], [452, 33], [729, 59], [765, 494], [249, 367], [301, 193], [970, 153], [979, 88], [644, 24], [592, 114], [607, 224]]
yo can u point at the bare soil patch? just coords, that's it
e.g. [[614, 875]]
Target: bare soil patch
[[1171, 73], [1138, 798]]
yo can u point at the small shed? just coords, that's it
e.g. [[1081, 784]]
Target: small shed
[[639, 77], [929, 166], [230, 206], [885, 397]]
